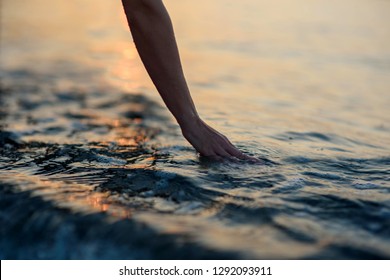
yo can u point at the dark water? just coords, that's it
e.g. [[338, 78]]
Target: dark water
[[92, 165]]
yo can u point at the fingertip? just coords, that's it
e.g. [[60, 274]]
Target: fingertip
[[233, 151], [243, 156]]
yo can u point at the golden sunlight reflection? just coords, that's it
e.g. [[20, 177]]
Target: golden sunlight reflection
[[97, 34], [79, 197], [127, 71]]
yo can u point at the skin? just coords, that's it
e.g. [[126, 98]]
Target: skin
[[153, 35]]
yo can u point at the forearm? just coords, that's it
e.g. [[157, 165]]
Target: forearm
[[154, 38]]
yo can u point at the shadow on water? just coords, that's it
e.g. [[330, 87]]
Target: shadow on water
[[33, 228]]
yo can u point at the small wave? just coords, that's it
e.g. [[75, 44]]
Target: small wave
[[315, 137]]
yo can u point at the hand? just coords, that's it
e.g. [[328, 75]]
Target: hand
[[209, 142]]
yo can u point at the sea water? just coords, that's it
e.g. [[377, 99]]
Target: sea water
[[93, 166]]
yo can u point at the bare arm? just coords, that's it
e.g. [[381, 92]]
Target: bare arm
[[154, 38]]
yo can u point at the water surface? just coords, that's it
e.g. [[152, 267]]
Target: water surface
[[93, 166]]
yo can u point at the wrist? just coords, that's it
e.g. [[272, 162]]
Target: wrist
[[189, 122]]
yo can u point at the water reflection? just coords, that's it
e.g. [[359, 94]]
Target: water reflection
[[291, 82]]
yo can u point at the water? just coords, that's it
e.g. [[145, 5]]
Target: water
[[93, 166]]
